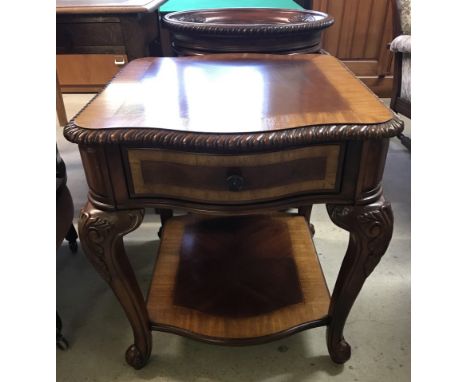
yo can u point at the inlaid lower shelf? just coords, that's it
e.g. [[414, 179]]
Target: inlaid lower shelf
[[237, 279]]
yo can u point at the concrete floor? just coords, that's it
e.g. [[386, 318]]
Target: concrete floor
[[378, 327]]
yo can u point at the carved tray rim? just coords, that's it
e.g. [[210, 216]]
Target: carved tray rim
[[174, 24]]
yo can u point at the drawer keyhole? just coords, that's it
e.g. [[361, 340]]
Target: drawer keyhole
[[235, 182]]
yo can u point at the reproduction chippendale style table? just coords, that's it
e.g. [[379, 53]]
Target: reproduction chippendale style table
[[233, 139]]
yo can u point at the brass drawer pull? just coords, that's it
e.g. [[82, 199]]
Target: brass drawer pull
[[235, 182], [119, 61]]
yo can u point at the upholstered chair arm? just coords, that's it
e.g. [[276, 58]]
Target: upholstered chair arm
[[401, 44]]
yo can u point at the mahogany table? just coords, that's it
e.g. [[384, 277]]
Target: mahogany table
[[232, 139]]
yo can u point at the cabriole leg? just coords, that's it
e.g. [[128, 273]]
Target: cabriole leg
[[101, 234], [370, 230]]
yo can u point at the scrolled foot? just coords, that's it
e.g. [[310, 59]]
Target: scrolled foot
[[135, 358], [340, 351]]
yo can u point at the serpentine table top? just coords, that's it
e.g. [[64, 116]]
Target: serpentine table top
[[254, 94]]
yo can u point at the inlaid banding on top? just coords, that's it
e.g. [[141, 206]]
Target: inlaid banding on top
[[233, 103]]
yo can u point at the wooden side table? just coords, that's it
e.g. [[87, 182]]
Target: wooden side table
[[232, 139]]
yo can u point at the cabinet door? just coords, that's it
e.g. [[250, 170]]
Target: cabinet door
[[87, 72], [359, 37]]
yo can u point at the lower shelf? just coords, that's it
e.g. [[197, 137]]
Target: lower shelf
[[237, 279]]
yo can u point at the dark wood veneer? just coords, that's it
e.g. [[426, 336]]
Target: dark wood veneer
[[183, 175], [222, 274], [310, 168]]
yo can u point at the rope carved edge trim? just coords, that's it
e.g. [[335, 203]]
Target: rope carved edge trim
[[242, 142]]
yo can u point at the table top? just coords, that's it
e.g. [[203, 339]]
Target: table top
[[185, 5], [106, 6], [233, 93]]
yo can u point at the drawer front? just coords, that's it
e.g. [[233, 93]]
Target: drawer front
[[72, 35], [88, 69], [233, 178]]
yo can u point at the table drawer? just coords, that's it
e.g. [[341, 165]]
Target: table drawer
[[75, 33], [88, 69], [233, 178]]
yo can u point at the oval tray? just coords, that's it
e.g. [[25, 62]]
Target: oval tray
[[242, 30], [240, 21]]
